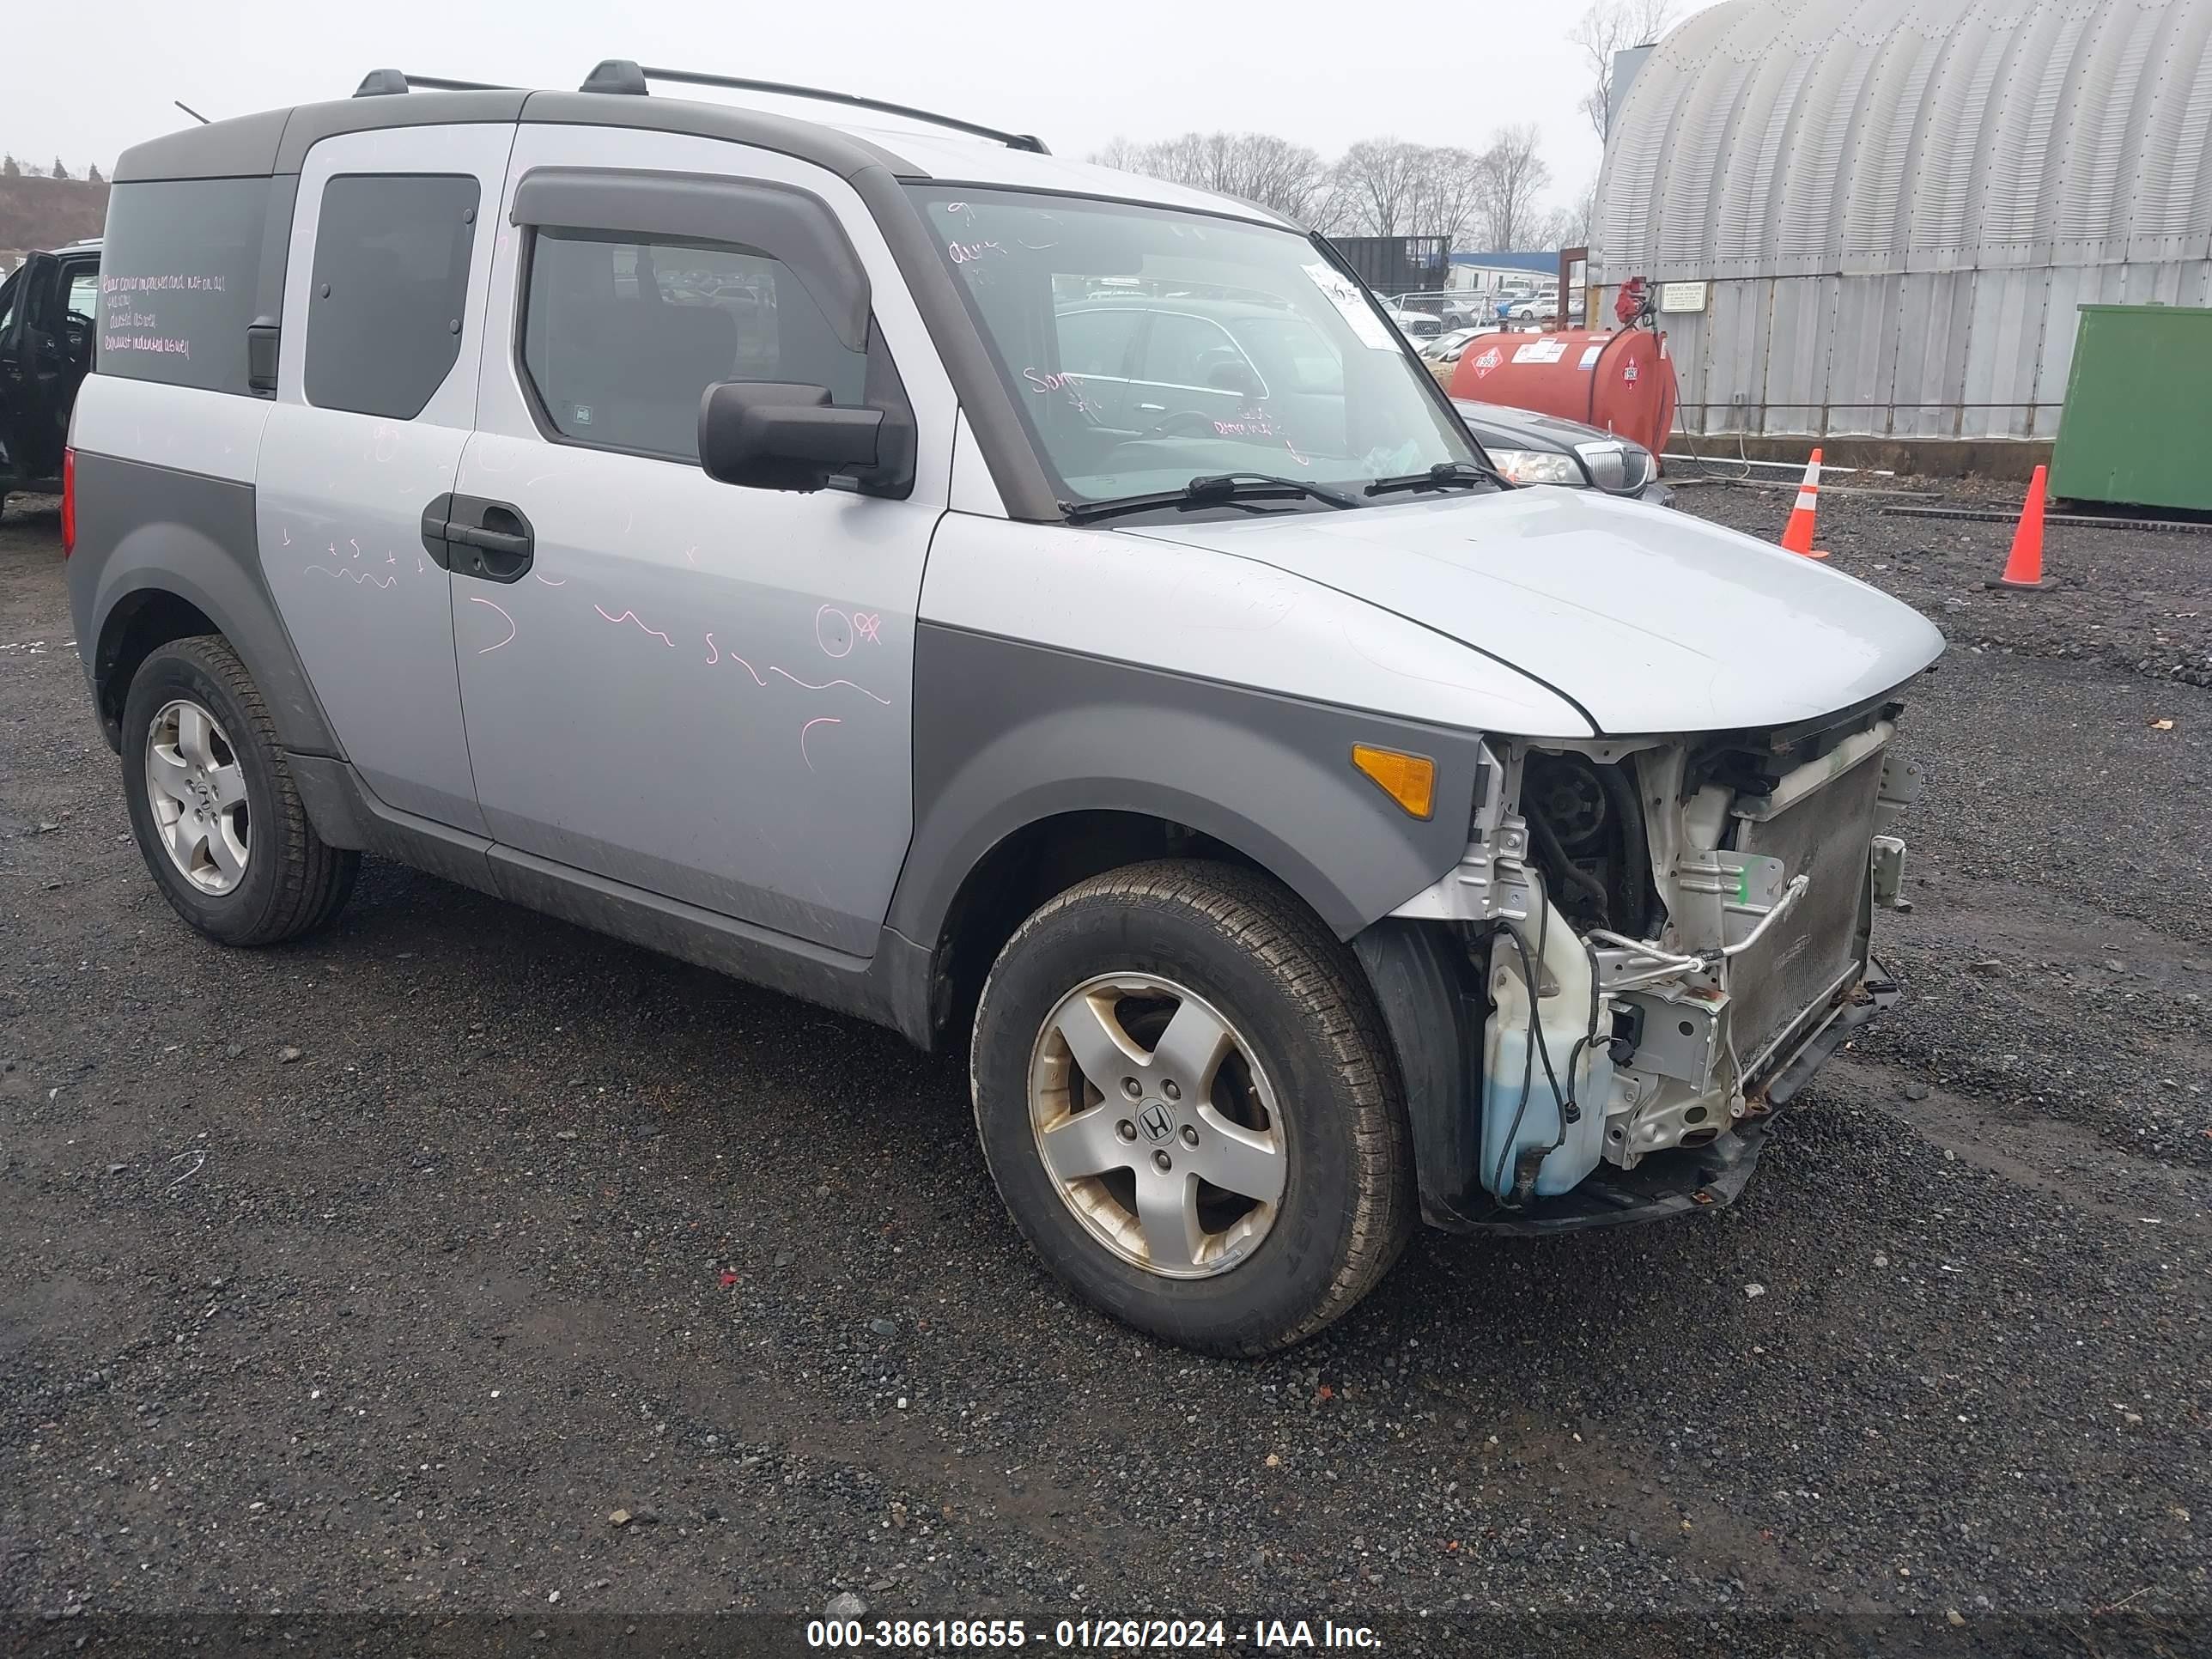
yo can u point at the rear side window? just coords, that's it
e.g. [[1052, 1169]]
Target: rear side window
[[1191, 351], [177, 274], [83, 297], [391, 276], [621, 337], [1097, 341]]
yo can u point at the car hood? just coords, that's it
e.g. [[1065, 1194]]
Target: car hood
[[1524, 428], [1648, 621]]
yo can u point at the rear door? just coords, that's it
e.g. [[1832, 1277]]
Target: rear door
[[384, 308], [698, 689]]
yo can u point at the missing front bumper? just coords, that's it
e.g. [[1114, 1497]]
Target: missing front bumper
[[1685, 1179]]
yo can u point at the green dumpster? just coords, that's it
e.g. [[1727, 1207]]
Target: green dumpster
[[2135, 423]]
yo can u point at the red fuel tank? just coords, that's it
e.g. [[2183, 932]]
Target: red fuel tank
[[1620, 381]]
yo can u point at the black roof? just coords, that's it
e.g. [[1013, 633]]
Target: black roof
[[276, 140]]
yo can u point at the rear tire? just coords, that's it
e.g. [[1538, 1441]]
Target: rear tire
[[216, 816], [1289, 1093]]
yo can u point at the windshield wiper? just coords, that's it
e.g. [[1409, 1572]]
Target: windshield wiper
[[1223, 488], [1442, 476]]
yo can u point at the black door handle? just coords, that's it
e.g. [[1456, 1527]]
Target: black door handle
[[490, 541]]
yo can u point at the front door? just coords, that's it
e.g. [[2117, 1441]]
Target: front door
[[383, 309], [700, 690], [46, 330]]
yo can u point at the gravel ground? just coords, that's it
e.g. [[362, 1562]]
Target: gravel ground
[[380, 1273]]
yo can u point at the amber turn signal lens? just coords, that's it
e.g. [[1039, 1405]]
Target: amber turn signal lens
[[1409, 779]]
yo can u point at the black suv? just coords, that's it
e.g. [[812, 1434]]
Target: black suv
[[47, 308]]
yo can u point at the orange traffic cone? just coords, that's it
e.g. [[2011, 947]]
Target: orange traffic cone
[[1797, 534], [2024, 568]]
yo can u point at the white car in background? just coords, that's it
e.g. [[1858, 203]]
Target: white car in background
[[1419, 327], [1531, 308]]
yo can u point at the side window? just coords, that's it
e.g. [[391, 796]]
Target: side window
[[1193, 351], [84, 292], [1296, 355], [390, 278], [621, 336], [177, 274], [1097, 341]]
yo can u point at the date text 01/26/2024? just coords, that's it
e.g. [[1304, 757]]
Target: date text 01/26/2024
[[1085, 1635]]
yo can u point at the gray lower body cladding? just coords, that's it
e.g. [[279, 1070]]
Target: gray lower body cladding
[[1010, 733], [151, 535], [890, 988]]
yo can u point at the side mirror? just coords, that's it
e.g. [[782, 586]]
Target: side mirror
[[773, 435]]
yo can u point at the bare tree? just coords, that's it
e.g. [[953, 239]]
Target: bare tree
[[1515, 177], [1379, 181], [1608, 26], [1379, 188], [1568, 226], [1449, 190], [1287, 178], [1126, 154]]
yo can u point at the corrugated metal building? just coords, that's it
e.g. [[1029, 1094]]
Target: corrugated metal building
[[1897, 204]]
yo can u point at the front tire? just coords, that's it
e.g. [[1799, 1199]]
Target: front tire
[[1187, 1099], [216, 816]]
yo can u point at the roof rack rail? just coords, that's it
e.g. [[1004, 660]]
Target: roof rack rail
[[621, 74], [384, 82]]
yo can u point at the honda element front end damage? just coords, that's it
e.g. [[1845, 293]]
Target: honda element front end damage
[[1047, 611]]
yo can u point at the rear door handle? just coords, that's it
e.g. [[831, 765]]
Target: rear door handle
[[490, 541]]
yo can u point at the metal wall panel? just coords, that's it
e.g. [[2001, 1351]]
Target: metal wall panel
[[1795, 394], [1862, 355], [2003, 328], [1900, 203], [1736, 350]]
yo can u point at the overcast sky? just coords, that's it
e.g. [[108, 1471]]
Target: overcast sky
[[1075, 72]]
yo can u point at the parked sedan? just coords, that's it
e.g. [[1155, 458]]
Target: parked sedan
[[1544, 449]]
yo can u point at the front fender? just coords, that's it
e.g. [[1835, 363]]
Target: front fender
[[1008, 734]]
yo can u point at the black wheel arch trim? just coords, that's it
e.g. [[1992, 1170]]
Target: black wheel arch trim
[[1434, 1009]]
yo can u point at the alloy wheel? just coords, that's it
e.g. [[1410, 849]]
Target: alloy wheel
[[196, 789], [1159, 1125]]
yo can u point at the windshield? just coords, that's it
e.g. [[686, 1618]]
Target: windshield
[[1146, 347]]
